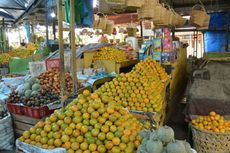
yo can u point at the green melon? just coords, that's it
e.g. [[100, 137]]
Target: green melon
[[34, 93], [154, 146], [36, 87], [165, 134], [28, 93], [176, 147], [27, 86]]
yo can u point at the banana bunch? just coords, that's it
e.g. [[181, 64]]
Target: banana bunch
[[4, 58]]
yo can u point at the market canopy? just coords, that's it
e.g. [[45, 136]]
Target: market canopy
[[13, 9]]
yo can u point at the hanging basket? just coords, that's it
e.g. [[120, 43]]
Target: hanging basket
[[198, 15], [181, 21], [116, 5], [103, 7], [165, 15], [109, 27], [131, 30], [206, 23], [96, 21], [147, 10], [102, 22], [134, 3], [157, 14]]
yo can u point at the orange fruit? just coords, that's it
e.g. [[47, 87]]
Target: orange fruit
[[75, 146]]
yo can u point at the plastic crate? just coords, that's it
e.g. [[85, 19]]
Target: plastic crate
[[52, 63], [37, 112], [15, 108]]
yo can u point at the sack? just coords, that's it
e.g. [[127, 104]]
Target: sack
[[6, 133], [134, 3], [37, 68], [198, 15], [27, 148]]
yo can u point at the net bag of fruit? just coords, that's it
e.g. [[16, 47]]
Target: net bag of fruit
[[27, 148], [6, 133]]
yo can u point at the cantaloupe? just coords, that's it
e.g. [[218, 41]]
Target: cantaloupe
[[176, 147], [154, 146], [165, 134]]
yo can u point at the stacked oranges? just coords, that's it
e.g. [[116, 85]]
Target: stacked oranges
[[212, 122]]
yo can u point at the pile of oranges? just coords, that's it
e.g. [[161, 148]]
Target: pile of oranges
[[142, 89], [87, 125], [212, 122]]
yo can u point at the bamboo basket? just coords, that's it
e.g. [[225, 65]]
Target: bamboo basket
[[180, 22], [109, 27], [116, 5], [165, 13], [103, 7], [210, 142], [198, 15], [147, 10], [157, 14], [134, 3]]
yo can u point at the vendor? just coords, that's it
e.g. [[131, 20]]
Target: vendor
[[23, 43]]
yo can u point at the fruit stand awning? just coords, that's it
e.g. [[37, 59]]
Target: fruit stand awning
[[12, 9]]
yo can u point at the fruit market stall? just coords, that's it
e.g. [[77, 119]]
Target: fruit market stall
[[94, 117]]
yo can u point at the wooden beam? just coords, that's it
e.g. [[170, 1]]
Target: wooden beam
[[73, 46], [61, 50]]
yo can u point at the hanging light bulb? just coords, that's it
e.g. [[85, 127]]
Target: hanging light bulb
[[53, 15]]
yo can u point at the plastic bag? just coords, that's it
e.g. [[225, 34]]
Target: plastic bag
[[5, 89], [26, 148], [6, 133]]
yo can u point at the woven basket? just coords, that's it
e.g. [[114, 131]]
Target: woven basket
[[198, 15], [157, 14], [147, 10], [206, 23], [102, 23], [210, 142], [165, 15], [103, 7], [180, 22], [134, 3], [109, 27], [117, 6]]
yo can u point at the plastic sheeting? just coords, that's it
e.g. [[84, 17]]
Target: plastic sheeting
[[215, 41], [219, 20], [11, 13]]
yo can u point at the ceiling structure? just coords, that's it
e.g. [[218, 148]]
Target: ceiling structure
[[35, 11]]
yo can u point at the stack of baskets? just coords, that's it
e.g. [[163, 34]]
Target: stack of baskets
[[210, 142]]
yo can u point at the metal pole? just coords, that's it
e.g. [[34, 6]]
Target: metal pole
[[73, 46], [61, 50]]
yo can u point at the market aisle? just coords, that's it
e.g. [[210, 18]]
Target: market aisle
[[177, 122]]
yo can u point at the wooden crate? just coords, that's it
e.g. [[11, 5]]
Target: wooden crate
[[88, 58], [22, 123], [113, 66]]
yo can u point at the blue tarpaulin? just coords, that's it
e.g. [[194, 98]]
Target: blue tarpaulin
[[215, 41], [219, 20]]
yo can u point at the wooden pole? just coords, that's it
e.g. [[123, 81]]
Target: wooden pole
[[73, 46], [61, 50]]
